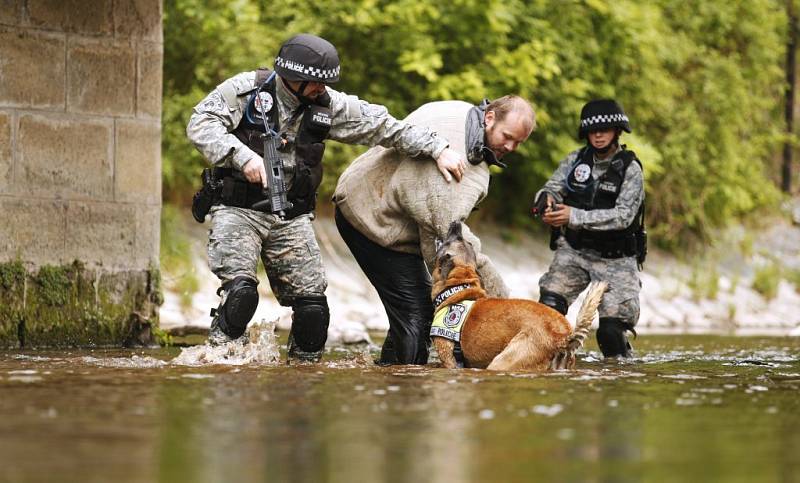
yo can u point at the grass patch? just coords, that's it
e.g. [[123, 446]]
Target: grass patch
[[767, 279], [704, 281], [793, 277], [177, 264]]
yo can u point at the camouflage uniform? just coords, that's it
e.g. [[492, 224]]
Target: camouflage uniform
[[288, 249], [572, 270]]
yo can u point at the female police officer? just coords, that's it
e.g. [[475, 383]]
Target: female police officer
[[595, 202]]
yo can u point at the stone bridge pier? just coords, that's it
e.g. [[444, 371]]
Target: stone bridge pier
[[80, 171]]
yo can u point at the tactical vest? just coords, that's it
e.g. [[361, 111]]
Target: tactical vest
[[587, 193], [308, 144]]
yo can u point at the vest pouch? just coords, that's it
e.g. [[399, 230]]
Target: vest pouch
[[309, 149], [308, 169], [641, 246], [315, 125]]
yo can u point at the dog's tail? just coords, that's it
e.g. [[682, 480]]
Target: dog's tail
[[566, 357]]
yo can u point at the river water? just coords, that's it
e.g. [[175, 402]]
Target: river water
[[688, 408]]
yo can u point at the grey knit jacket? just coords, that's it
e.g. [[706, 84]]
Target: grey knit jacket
[[404, 203]]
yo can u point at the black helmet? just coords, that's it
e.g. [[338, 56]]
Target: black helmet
[[306, 57], [602, 114]]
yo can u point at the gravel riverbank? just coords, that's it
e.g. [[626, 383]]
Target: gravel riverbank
[[712, 295]]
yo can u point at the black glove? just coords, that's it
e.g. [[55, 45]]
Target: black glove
[[538, 207]]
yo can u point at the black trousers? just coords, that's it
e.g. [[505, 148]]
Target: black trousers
[[404, 286]]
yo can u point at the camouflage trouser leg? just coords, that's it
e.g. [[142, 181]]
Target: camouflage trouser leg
[[288, 250], [293, 261], [572, 270]]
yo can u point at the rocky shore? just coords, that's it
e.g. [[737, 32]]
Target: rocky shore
[[673, 297]]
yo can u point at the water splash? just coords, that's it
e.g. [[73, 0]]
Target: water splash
[[259, 346], [133, 362]]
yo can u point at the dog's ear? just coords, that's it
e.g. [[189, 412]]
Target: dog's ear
[[454, 231]]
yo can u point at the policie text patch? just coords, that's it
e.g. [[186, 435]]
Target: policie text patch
[[448, 321]]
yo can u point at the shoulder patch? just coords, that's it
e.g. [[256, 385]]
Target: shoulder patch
[[236, 86]]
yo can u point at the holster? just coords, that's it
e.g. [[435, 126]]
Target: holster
[[207, 196], [555, 234]]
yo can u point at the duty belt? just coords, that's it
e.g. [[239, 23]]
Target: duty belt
[[617, 245], [240, 193]]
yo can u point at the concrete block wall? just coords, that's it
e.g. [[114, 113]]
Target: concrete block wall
[[80, 133]]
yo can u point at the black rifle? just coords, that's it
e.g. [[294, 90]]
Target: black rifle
[[275, 191], [277, 202]]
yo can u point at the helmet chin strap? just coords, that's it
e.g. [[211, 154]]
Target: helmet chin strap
[[298, 93]]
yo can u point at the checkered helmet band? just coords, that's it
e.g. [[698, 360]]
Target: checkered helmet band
[[605, 119], [308, 70], [602, 114]]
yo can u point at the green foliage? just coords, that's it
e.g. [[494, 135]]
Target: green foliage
[[162, 337], [703, 85], [792, 275], [704, 281], [12, 274], [767, 279], [176, 255], [55, 284]]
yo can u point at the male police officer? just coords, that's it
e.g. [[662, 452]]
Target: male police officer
[[594, 201], [228, 128], [390, 209]]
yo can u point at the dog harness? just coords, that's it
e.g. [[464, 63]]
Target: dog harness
[[449, 320], [449, 292]]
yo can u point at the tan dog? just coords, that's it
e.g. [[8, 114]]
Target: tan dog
[[500, 334]]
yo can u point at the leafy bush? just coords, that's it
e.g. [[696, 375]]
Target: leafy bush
[[767, 279], [704, 282], [176, 255], [703, 85]]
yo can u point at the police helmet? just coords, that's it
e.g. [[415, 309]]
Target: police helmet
[[602, 114], [306, 57]]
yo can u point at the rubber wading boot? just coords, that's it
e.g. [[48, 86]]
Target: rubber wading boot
[[611, 337]]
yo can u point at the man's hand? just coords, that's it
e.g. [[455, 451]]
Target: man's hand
[[449, 161], [254, 172], [557, 216]]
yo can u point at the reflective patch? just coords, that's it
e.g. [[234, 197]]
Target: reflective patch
[[264, 102], [448, 321], [582, 172]]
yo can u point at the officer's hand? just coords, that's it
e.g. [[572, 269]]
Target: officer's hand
[[254, 172], [450, 161], [557, 216]]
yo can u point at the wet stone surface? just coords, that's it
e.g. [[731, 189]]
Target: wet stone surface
[[688, 408]]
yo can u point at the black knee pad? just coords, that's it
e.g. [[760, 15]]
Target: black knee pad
[[554, 300], [241, 300], [310, 321], [611, 337]]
